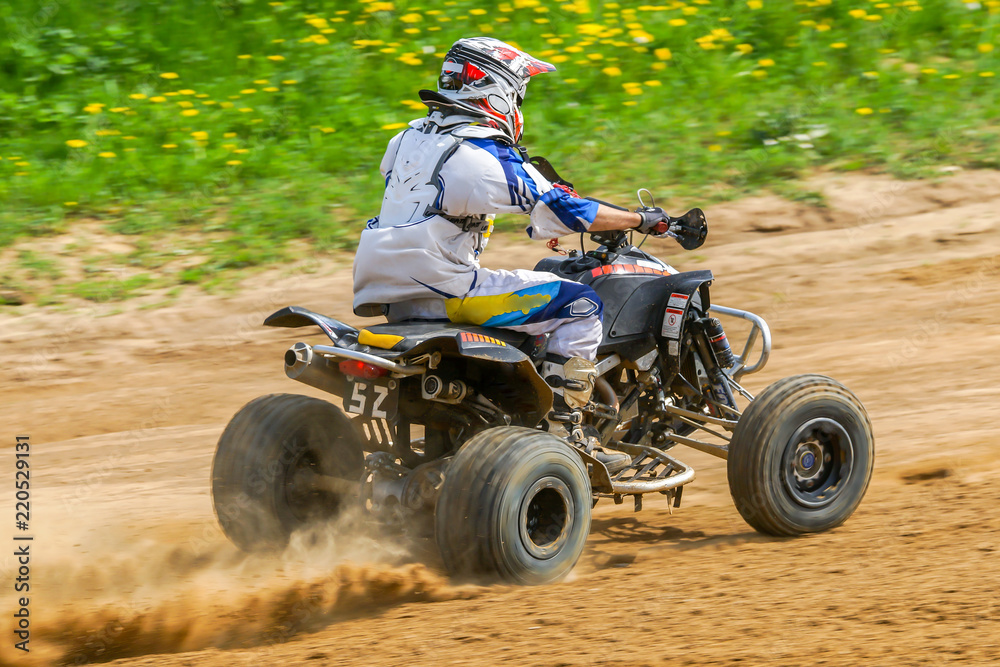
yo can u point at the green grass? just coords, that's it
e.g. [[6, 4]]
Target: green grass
[[703, 116]]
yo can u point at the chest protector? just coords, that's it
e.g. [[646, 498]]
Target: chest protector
[[415, 190]]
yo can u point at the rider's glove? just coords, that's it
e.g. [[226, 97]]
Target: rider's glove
[[654, 220]]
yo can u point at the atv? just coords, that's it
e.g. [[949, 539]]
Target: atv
[[446, 423]]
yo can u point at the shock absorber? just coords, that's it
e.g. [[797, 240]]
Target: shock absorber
[[720, 344]]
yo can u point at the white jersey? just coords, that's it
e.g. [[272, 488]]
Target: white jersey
[[410, 252]]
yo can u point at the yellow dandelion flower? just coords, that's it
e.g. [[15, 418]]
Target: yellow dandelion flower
[[190, 112], [677, 22], [873, 17], [951, 76], [765, 62], [262, 82], [658, 66], [169, 75], [755, 4], [838, 45], [270, 89], [744, 48], [234, 163], [985, 48], [240, 150], [559, 58], [185, 104], [715, 148], [157, 99], [92, 108], [200, 135], [870, 75], [246, 109], [289, 82], [929, 70], [595, 56], [107, 154], [822, 27], [245, 56], [857, 13], [612, 71], [653, 83], [276, 58], [22, 164], [76, 143], [70, 203], [226, 105], [986, 75], [723, 133], [863, 111], [229, 135], [759, 73], [169, 146], [327, 130], [819, 63], [137, 96], [248, 91], [663, 54], [395, 126]]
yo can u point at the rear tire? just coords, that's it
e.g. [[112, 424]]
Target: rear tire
[[263, 476], [801, 456], [515, 504]]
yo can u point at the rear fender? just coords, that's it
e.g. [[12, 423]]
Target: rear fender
[[297, 316]]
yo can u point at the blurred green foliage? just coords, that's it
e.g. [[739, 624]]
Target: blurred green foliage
[[265, 121]]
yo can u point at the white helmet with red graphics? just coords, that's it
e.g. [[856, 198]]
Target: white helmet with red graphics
[[486, 79]]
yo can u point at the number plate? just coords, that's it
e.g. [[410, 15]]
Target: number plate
[[378, 399]]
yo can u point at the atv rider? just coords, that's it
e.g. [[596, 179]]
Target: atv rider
[[446, 177]]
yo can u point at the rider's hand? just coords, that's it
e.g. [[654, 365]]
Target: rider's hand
[[654, 220]]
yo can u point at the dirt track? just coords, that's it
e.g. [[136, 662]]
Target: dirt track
[[893, 290]]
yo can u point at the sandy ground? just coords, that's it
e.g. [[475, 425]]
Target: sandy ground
[[893, 290]]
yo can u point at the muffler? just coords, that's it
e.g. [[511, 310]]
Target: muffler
[[307, 367]]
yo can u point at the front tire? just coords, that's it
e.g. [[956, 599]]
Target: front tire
[[801, 456], [283, 461], [515, 504]]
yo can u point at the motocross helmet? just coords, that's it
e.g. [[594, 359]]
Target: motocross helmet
[[486, 79]]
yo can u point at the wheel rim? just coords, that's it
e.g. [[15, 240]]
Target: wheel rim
[[304, 497], [818, 462], [546, 517]]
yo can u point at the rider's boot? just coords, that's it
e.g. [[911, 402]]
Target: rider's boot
[[572, 383]]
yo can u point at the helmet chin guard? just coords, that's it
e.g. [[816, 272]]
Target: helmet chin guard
[[486, 79]]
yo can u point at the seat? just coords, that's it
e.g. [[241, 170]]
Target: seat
[[403, 336]]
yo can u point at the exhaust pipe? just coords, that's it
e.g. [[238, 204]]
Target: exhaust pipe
[[307, 367]]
